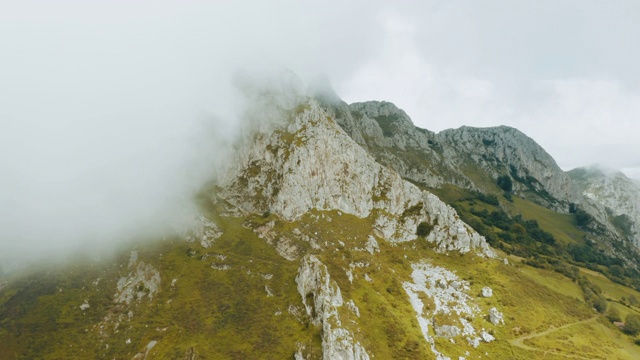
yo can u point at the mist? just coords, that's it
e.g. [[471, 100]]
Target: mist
[[113, 114]]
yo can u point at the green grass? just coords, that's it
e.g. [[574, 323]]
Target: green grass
[[232, 307], [610, 289], [561, 226], [554, 281], [592, 340]]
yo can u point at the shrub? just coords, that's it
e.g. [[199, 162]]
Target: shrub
[[632, 324], [583, 218], [424, 229], [505, 183], [613, 315]]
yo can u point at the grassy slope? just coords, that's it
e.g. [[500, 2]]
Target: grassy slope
[[559, 225], [207, 310], [604, 340], [228, 315]]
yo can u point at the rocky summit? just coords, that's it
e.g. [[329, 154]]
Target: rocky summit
[[342, 231]]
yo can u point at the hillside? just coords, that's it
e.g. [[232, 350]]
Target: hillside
[[619, 195], [477, 160], [323, 238]]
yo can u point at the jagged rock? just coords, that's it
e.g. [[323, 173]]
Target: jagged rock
[[378, 126], [203, 230], [310, 163], [434, 160], [447, 331], [486, 337], [372, 245], [616, 193], [525, 159], [495, 316], [352, 306], [487, 292], [388, 134], [448, 295], [141, 282], [321, 297], [287, 248]]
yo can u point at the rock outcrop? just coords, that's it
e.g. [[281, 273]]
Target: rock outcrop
[[449, 300], [474, 159], [505, 150], [388, 134], [617, 194], [321, 298], [308, 162]]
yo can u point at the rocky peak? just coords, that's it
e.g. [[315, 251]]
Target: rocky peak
[[505, 150], [431, 159], [619, 195], [310, 163], [388, 134]]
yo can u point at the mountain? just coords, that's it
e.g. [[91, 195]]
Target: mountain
[[618, 194], [342, 231], [468, 157], [474, 159]]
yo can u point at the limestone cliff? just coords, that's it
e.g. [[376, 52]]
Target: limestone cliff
[[619, 195], [473, 159], [309, 162], [505, 150], [468, 157]]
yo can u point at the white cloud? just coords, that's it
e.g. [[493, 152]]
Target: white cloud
[[561, 73], [108, 110]]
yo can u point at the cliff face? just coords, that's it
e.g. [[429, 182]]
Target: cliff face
[[501, 150], [471, 158], [388, 135], [310, 163], [616, 193]]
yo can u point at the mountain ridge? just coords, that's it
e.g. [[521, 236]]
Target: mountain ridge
[[309, 244], [473, 159]]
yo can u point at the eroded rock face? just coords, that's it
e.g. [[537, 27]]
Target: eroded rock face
[[321, 298], [464, 157], [309, 163], [433, 159], [202, 230], [524, 158], [381, 128], [616, 193]]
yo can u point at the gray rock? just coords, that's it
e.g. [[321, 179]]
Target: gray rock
[[311, 163], [495, 316], [321, 297]]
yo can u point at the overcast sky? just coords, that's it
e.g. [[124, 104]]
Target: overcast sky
[[112, 111]]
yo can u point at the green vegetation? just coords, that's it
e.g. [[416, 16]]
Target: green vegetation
[[530, 231], [532, 184], [613, 314], [424, 228], [541, 236], [582, 218], [387, 124], [632, 324], [505, 183]]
